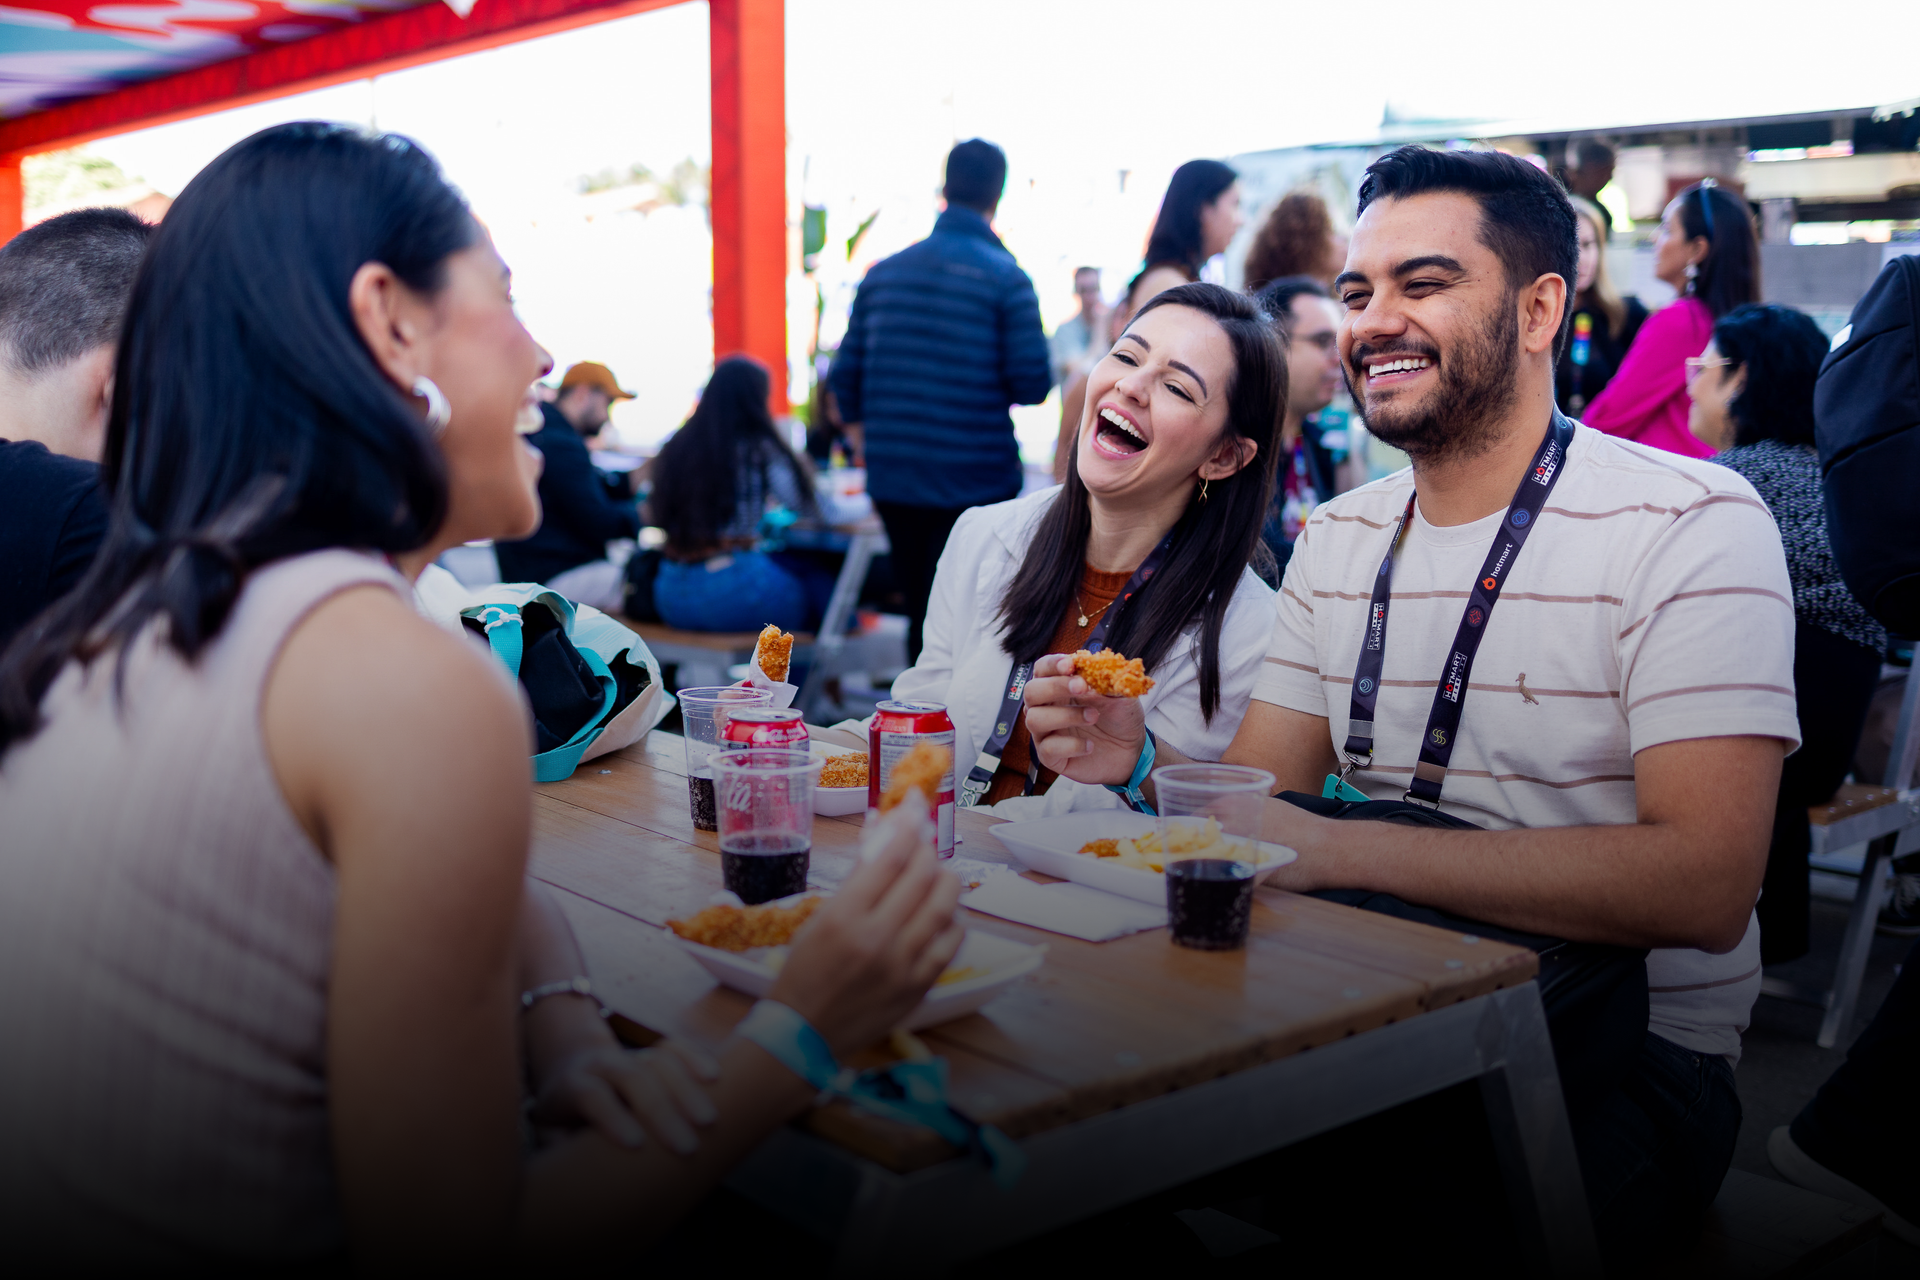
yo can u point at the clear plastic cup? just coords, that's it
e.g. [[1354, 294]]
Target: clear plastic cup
[[765, 808], [1211, 810], [704, 712]]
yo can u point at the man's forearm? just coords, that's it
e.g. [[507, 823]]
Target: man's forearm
[[1645, 884]]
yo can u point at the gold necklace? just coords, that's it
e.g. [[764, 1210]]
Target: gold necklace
[[1084, 620]]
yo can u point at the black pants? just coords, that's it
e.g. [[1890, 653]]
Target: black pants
[[1833, 680], [1862, 1123], [918, 535]]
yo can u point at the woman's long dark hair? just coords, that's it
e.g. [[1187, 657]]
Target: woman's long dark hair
[[1730, 273], [1213, 541], [696, 478], [249, 420], [1781, 349], [1175, 240]]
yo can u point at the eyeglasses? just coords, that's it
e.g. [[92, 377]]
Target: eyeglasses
[[1696, 365]]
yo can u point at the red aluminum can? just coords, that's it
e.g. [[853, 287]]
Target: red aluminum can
[[763, 727], [899, 727]]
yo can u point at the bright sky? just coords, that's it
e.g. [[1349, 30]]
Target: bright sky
[[1076, 93]]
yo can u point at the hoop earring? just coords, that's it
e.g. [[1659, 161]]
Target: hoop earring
[[1203, 489], [439, 412]]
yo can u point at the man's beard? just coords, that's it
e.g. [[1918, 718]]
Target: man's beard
[[1478, 382]]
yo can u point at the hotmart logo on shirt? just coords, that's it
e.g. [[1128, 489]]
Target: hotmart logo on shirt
[[1548, 465], [1375, 625]]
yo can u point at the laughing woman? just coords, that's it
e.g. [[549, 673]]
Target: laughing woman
[[1145, 546]]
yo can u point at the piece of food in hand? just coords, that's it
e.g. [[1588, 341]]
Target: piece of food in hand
[[845, 771], [731, 928], [1111, 674], [923, 768], [774, 651]]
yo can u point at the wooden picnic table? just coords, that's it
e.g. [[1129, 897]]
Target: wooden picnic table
[[1123, 1067]]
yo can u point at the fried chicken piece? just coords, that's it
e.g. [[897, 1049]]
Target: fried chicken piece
[[1108, 848], [925, 767], [773, 651], [1113, 674], [845, 771], [731, 928]]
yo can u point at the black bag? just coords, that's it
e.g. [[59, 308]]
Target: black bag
[[1595, 995], [1866, 409]]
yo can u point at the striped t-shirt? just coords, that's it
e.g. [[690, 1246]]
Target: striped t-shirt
[[1650, 604]]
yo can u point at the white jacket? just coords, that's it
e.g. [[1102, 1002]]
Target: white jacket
[[964, 666]]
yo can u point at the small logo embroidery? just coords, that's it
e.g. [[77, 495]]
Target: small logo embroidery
[[1489, 583], [1366, 685], [1439, 737], [1520, 519], [1475, 617], [1000, 730]]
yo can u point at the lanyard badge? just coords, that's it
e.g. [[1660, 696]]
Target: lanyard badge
[[980, 777], [1443, 721]]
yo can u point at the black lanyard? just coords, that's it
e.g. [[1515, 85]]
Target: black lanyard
[[980, 777], [1443, 722]]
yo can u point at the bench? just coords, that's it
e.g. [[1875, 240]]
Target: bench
[[1876, 817], [704, 656]]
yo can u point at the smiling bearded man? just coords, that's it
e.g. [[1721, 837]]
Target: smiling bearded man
[[1594, 763]]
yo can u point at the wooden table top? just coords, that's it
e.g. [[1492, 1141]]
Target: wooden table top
[[1098, 1026]]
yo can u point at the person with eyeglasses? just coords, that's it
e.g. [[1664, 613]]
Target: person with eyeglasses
[[1706, 249], [1309, 327], [1751, 392]]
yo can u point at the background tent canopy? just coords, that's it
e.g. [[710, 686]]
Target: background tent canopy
[[55, 50]]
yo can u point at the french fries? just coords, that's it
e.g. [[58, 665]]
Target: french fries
[[1188, 839]]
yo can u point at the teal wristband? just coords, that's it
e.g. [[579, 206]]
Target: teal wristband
[[1142, 767], [792, 1042]]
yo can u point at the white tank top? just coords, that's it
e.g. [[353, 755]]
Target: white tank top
[[166, 931]]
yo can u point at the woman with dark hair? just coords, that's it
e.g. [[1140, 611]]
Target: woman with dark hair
[[1297, 239], [721, 486], [1199, 217], [1145, 546], [1705, 249], [1752, 397], [275, 978]]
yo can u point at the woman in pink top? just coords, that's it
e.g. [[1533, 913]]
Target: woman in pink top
[[1706, 249]]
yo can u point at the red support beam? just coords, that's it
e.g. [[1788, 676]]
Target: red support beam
[[748, 51], [13, 198], [390, 42]]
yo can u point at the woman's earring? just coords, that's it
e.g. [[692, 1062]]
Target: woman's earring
[[439, 412], [1693, 274], [1203, 488]]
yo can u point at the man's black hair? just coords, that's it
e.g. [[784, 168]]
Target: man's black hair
[[976, 175], [1781, 350], [1276, 299], [1525, 217], [64, 285]]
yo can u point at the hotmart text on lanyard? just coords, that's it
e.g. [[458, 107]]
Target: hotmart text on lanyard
[[1443, 721], [980, 777]]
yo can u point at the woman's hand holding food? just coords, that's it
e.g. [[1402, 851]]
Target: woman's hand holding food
[[629, 1095], [1078, 733], [867, 958]]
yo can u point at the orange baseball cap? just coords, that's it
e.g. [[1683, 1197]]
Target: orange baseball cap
[[589, 373]]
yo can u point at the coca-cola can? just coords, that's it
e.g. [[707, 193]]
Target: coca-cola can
[[763, 727], [899, 727]]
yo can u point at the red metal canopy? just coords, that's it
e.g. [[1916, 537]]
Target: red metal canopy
[[71, 71]]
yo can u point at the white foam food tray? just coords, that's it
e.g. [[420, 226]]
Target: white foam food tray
[[984, 967], [1052, 846]]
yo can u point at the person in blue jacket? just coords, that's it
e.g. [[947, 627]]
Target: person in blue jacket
[[944, 336]]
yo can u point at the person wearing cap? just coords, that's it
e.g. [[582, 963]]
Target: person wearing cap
[[582, 507]]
